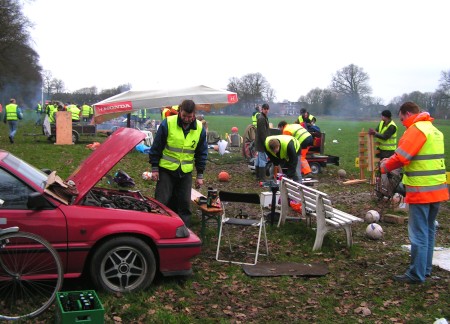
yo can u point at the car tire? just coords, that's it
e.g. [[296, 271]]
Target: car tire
[[123, 264], [75, 137], [315, 167]]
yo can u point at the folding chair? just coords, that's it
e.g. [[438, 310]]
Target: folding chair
[[240, 201]]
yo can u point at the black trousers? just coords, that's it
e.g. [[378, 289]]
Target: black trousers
[[173, 189]]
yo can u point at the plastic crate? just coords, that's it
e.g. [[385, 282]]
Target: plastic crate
[[73, 311]]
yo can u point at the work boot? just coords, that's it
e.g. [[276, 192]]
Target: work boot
[[262, 174], [257, 173]]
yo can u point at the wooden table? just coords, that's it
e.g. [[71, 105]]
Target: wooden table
[[208, 213]]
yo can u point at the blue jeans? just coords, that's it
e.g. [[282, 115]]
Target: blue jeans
[[261, 160], [421, 230], [12, 127]]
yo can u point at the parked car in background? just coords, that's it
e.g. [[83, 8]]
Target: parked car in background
[[118, 237]]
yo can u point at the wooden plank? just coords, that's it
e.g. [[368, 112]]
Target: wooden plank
[[356, 181], [63, 128]]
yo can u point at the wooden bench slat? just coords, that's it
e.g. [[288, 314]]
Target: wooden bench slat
[[342, 219], [349, 216], [333, 223], [338, 219], [319, 205]]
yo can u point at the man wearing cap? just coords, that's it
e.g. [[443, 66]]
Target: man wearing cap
[[386, 133]]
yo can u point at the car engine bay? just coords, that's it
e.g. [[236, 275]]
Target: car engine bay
[[121, 199]]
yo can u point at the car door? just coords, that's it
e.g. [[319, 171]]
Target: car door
[[48, 222]]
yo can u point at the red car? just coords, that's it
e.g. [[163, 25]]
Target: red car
[[119, 237]]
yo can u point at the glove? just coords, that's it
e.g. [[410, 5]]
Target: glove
[[372, 131]]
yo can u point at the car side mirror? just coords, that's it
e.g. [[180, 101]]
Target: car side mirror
[[37, 201]]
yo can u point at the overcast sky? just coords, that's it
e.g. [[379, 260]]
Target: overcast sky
[[296, 45]]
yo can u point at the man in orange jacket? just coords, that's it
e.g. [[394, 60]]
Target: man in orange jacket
[[420, 152]]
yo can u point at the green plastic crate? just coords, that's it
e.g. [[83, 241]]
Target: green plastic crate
[[77, 314]]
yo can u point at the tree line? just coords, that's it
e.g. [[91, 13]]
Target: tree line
[[349, 94]]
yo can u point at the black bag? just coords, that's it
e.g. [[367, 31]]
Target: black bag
[[123, 179]]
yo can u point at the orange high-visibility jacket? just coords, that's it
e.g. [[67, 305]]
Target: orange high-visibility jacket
[[409, 146]]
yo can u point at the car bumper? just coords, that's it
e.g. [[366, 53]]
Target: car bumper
[[175, 255]]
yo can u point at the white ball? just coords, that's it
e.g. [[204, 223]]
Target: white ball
[[147, 175], [372, 216], [374, 231]]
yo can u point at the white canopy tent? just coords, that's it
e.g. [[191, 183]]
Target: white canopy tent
[[204, 97]]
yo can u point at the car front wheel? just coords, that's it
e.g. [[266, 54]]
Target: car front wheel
[[123, 264]]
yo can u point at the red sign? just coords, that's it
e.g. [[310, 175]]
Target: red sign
[[114, 107], [232, 98]]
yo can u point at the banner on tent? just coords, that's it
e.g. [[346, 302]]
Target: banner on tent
[[114, 107]]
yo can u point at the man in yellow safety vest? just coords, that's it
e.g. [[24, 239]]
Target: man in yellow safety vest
[[180, 145], [12, 115]]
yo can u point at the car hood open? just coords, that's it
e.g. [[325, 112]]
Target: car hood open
[[104, 158]]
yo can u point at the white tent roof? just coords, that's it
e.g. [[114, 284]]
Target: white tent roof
[[204, 97]]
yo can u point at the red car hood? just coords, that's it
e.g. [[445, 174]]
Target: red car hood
[[104, 158]]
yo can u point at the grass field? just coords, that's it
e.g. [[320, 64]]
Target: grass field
[[358, 288]]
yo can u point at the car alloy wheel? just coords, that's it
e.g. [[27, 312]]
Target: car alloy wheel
[[123, 264]]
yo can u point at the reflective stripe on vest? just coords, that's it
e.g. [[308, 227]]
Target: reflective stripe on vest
[[75, 111], [52, 112], [391, 143], [86, 110], [11, 112], [180, 150], [297, 131], [300, 118], [255, 118], [427, 168], [284, 142]]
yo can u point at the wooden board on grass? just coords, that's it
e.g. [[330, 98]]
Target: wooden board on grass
[[356, 181]]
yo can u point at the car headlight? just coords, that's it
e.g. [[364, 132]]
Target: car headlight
[[182, 231]]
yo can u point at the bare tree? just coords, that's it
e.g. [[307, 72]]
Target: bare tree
[[47, 78], [252, 89], [444, 84], [352, 83], [58, 85]]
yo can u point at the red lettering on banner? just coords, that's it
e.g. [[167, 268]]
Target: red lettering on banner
[[232, 98], [114, 107]]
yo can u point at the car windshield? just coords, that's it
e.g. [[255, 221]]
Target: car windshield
[[29, 171]]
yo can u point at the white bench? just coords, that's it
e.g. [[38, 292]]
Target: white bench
[[315, 204]]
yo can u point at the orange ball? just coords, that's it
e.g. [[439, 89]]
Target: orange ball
[[223, 176]]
